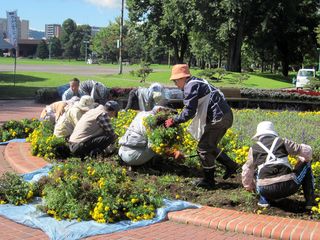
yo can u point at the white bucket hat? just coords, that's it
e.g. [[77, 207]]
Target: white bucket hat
[[265, 128], [86, 103]]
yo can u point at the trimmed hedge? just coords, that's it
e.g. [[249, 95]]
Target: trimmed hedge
[[280, 94]]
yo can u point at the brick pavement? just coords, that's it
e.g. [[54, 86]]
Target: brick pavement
[[203, 223], [19, 109]]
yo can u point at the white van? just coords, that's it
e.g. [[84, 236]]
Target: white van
[[304, 76]]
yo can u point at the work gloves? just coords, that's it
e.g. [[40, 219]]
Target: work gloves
[[169, 123]]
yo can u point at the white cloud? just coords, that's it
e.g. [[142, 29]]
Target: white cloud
[[105, 3]]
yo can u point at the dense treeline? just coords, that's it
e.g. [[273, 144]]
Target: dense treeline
[[237, 35]]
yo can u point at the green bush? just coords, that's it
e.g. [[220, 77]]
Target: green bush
[[99, 191], [17, 129], [143, 72], [45, 144], [47, 95], [14, 190]]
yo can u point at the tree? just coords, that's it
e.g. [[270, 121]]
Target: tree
[[105, 41], [289, 26], [69, 39], [317, 31], [84, 34], [42, 50], [165, 22], [68, 27], [55, 45]]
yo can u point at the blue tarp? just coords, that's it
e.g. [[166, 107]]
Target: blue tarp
[[13, 140], [62, 89], [30, 216]]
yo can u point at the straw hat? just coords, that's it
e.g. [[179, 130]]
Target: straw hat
[[180, 71], [265, 128], [86, 103]]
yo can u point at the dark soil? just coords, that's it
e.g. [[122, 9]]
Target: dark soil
[[176, 181]]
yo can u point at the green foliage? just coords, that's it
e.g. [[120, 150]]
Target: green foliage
[[242, 77], [209, 73], [105, 42], [314, 83], [17, 129], [45, 144], [143, 72], [277, 94], [42, 50], [47, 95], [56, 48], [14, 190], [99, 191]]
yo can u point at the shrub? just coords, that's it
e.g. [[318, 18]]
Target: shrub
[[17, 129], [300, 95], [47, 95], [143, 72], [99, 191], [14, 190], [45, 144]]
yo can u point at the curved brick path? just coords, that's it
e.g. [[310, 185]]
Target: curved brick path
[[203, 223]]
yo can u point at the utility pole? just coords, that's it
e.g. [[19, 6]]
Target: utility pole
[[121, 38]]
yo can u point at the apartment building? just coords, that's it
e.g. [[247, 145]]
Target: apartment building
[[52, 30]]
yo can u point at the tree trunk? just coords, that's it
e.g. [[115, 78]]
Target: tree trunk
[[180, 47], [284, 56], [235, 43]]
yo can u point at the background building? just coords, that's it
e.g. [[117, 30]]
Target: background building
[[52, 30], [94, 30], [23, 26], [3, 28]]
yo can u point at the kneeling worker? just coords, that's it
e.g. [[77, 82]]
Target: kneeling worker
[[94, 133]]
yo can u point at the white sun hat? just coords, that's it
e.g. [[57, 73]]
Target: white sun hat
[[86, 103], [265, 128]]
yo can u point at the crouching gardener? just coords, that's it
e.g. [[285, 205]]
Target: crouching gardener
[[269, 172], [134, 147], [94, 133]]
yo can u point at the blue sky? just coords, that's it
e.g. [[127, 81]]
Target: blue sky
[[40, 12]]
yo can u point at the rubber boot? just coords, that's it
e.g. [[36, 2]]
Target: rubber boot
[[231, 166], [208, 180], [308, 190]]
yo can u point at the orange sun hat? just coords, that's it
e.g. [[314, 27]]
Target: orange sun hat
[[180, 71]]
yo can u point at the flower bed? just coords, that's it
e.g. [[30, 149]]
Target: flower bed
[[17, 129], [91, 186], [303, 92]]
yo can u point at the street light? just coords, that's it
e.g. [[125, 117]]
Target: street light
[[86, 50], [121, 38]]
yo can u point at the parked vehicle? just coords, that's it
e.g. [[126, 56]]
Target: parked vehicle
[[303, 77]]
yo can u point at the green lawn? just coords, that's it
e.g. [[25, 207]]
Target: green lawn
[[26, 83]]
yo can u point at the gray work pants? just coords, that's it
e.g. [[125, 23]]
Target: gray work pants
[[213, 133]]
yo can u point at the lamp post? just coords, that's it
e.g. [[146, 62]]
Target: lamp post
[[86, 50], [121, 38]]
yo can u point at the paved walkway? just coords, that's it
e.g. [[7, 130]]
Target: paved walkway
[[203, 223]]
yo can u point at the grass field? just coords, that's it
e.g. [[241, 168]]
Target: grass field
[[26, 83]]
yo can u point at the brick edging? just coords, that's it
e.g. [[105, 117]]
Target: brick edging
[[252, 224], [18, 155]]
